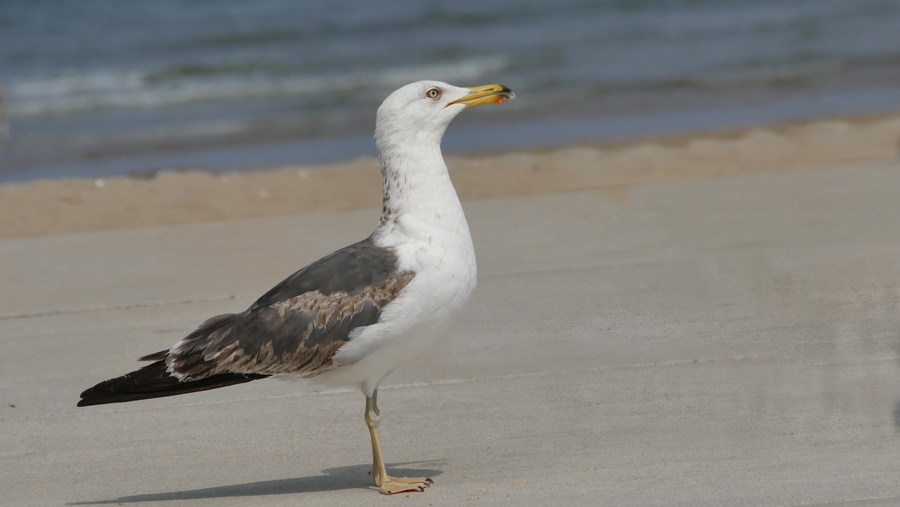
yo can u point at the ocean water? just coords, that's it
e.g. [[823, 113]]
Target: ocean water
[[104, 87]]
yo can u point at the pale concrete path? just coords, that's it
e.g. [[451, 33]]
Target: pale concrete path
[[717, 342]]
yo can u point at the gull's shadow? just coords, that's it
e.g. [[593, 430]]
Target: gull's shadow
[[348, 477]]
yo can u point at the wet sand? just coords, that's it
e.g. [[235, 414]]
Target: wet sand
[[180, 197]]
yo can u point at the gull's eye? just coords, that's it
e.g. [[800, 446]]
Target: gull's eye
[[433, 93]]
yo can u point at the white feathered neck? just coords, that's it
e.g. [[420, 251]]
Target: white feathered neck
[[416, 188]]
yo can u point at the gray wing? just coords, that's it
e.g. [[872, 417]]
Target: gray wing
[[298, 325]]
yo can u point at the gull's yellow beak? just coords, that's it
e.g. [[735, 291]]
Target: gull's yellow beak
[[487, 94]]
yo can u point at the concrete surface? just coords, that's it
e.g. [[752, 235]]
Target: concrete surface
[[731, 341]]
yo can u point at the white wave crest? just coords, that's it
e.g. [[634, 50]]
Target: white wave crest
[[104, 90]]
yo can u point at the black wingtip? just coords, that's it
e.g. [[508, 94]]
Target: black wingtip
[[154, 381]]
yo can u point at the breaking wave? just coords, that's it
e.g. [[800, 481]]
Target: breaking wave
[[71, 92]]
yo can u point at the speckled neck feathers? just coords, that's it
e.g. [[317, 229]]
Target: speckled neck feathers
[[415, 181]]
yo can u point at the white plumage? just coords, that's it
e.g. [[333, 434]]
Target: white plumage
[[423, 222]]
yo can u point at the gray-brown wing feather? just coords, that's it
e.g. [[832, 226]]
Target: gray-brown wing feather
[[295, 335], [298, 325]]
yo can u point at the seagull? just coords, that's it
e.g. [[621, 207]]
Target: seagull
[[354, 316]]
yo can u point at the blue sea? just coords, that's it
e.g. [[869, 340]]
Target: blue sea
[[99, 87]]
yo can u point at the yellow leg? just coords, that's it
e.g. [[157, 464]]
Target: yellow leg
[[386, 484]]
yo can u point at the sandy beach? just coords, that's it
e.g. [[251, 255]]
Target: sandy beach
[[703, 320], [680, 340], [181, 197]]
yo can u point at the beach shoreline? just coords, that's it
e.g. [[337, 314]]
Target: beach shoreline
[[168, 197]]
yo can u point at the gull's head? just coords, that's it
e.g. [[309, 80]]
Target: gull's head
[[421, 111]]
